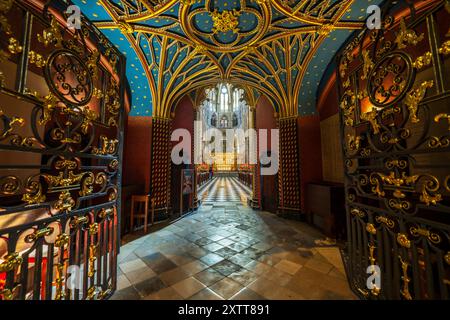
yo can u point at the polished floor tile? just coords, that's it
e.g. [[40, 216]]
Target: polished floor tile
[[188, 287], [228, 251]]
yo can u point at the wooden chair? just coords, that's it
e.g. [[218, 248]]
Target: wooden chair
[[139, 209]]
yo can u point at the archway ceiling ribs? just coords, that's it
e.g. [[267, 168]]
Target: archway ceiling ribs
[[278, 47]]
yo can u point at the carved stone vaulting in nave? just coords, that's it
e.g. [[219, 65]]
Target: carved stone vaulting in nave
[[277, 48]]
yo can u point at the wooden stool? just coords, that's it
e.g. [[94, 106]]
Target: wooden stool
[[140, 204]]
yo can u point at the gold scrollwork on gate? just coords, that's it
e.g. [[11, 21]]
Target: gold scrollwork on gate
[[438, 142], [353, 143], [407, 36], [445, 49], [105, 213], [65, 202], [371, 117], [113, 195], [358, 212], [92, 63], [447, 258], [401, 164], [403, 240], [423, 61], [415, 97], [8, 294], [51, 35], [108, 147], [65, 181], [34, 193], [385, 220], [93, 251], [78, 221], [38, 234], [392, 180], [431, 236], [14, 47], [49, 103], [405, 290], [429, 194], [375, 290], [348, 105], [62, 240], [377, 188], [9, 124], [368, 64], [37, 59], [59, 281], [66, 164], [104, 293], [11, 261], [443, 116], [87, 186], [113, 104], [370, 228], [5, 7], [93, 228], [114, 165]]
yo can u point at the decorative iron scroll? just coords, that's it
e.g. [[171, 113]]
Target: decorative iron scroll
[[394, 108], [60, 155]]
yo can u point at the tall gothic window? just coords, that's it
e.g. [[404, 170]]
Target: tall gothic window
[[224, 98]]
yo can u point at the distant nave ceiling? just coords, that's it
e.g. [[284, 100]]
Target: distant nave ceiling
[[279, 48]]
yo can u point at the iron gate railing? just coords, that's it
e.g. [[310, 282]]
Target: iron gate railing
[[61, 105], [395, 121]]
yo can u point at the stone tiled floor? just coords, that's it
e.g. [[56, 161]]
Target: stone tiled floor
[[228, 251]]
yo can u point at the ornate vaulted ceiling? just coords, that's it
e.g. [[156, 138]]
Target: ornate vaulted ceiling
[[280, 48]]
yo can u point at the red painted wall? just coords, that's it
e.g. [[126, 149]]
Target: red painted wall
[[136, 169], [265, 116], [183, 118], [265, 119], [310, 149]]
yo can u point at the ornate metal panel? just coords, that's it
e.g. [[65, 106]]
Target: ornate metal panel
[[61, 98], [395, 112]]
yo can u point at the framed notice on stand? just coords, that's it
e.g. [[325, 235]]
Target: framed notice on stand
[[187, 186]]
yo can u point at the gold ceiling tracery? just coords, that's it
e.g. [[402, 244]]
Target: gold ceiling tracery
[[281, 82]]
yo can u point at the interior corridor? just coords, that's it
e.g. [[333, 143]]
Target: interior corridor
[[198, 149], [228, 251]]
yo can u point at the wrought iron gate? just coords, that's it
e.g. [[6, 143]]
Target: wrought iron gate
[[61, 103], [395, 120]]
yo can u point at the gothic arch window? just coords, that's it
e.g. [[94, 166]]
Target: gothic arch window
[[224, 99], [224, 122]]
